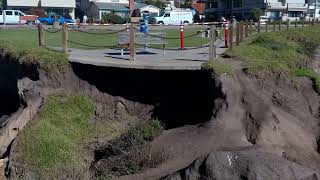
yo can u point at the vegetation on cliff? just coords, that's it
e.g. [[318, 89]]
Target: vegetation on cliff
[[287, 51]]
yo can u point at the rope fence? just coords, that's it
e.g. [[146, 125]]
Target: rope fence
[[215, 36], [92, 46], [175, 38], [131, 42], [91, 33], [174, 49], [51, 31]]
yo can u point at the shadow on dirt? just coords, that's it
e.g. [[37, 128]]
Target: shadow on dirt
[[178, 97]]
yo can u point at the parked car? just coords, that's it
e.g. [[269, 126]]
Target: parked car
[[175, 17], [263, 19], [11, 17], [52, 18]]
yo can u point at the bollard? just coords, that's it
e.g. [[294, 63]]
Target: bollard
[[295, 23], [241, 31], [212, 47], [288, 23], [65, 38], [132, 43], [246, 29], [181, 36], [231, 37], [237, 34], [302, 22], [226, 33], [40, 35], [251, 23], [259, 27]]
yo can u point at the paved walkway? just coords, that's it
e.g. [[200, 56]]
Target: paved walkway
[[153, 59]]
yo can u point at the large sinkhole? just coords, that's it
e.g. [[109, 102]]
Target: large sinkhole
[[10, 72], [178, 97]]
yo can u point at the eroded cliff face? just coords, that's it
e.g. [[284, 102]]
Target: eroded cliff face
[[266, 115], [274, 119], [268, 128], [177, 98]]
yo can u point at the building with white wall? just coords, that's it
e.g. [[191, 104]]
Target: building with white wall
[[96, 8], [58, 6], [314, 8], [274, 9], [227, 8], [286, 9]]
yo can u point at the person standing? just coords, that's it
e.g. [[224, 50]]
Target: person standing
[[85, 19]]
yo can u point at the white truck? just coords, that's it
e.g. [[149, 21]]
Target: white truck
[[175, 17], [11, 17]]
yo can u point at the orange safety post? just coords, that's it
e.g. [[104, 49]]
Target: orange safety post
[[226, 33], [181, 36]]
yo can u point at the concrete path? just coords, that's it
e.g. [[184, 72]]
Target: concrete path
[[153, 59]]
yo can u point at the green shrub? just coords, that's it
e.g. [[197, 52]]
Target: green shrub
[[255, 14], [112, 18], [130, 152], [150, 130]]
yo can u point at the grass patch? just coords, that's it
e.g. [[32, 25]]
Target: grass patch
[[59, 142], [57, 136], [315, 77], [29, 38], [218, 68], [280, 51], [288, 51], [51, 62]]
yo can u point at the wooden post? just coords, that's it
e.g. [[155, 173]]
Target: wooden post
[[288, 23], [313, 21], [309, 22], [274, 25], [246, 29], [241, 31], [251, 23], [237, 35], [132, 43], [267, 25], [65, 38], [231, 30], [279, 25], [40, 35], [212, 48], [259, 27], [296, 23]]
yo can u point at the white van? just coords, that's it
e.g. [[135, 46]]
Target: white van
[[263, 19], [11, 16], [175, 17]]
